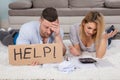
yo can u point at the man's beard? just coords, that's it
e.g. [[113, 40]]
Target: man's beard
[[45, 35]]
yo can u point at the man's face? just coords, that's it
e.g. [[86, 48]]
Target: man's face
[[45, 28]]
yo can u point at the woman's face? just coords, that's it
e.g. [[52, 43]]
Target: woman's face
[[90, 29]]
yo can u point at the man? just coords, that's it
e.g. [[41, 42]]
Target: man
[[46, 30]]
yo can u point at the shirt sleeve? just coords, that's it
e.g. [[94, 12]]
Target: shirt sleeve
[[74, 34], [23, 37], [61, 33]]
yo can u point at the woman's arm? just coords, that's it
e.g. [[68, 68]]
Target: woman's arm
[[74, 38], [75, 50], [102, 46]]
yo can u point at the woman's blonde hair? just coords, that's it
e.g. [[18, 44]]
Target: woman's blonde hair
[[97, 18]]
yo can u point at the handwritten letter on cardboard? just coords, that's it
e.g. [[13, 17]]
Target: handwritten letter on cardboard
[[42, 53]]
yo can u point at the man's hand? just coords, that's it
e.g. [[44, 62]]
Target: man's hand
[[35, 63], [55, 28]]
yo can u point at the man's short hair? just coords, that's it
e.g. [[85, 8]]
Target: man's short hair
[[50, 14]]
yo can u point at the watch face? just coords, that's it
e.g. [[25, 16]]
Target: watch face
[[87, 60]]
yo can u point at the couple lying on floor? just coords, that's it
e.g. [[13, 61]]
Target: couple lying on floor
[[89, 35]]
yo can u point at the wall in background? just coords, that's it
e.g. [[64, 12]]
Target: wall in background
[[4, 12]]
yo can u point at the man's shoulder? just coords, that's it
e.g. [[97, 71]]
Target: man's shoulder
[[31, 23], [29, 27]]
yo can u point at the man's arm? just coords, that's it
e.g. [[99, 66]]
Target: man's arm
[[23, 35], [58, 38]]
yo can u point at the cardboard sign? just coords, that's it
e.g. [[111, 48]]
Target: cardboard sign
[[27, 54]]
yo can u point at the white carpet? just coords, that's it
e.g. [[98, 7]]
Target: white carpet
[[107, 69]]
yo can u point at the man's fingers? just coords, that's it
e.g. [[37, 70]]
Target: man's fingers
[[55, 24], [35, 63]]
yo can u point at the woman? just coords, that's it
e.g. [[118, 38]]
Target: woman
[[89, 35]]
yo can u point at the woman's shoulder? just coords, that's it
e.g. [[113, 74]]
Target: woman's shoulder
[[75, 26]]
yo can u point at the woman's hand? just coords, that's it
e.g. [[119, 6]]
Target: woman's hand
[[74, 51], [109, 35]]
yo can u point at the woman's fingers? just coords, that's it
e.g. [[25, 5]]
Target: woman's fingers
[[70, 47], [73, 51], [112, 33]]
